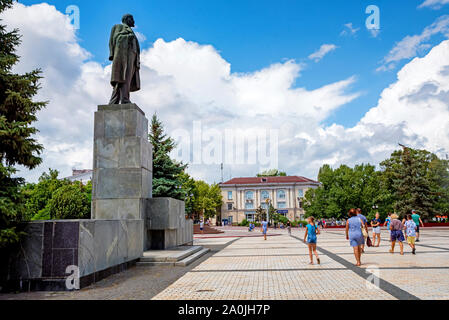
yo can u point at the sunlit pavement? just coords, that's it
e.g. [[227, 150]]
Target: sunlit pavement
[[251, 268]]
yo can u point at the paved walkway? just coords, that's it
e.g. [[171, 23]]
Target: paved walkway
[[251, 268]]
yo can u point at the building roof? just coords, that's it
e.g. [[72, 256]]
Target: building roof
[[269, 180], [76, 174]]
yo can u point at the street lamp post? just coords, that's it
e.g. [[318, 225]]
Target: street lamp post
[[299, 206], [268, 210]]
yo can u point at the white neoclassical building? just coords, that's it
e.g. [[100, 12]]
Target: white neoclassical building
[[242, 196]]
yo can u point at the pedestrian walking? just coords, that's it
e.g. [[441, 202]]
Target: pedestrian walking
[[387, 224], [265, 229], [417, 220], [410, 230], [289, 228], [354, 234], [310, 237], [375, 223], [202, 226], [364, 227], [397, 235]]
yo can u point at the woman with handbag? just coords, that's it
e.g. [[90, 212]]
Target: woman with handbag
[[354, 234], [364, 229]]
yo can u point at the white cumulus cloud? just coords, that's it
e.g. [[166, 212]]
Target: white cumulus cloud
[[185, 82]]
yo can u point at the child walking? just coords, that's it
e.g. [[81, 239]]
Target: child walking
[[410, 231], [311, 238]]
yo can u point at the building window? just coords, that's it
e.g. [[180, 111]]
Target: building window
[[249, 195], [249, 205], [230, 206], [282, 205], [264, 206], [229, 195], [281, 194], [265, 195], [301, 193], [250, 216]]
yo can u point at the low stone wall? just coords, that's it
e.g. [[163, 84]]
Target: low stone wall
[[166, 224], [97, 248]]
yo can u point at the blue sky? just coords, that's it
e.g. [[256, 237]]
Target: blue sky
[[350, 105], [252, 34]]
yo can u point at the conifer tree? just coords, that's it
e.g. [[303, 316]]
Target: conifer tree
[[167, 181], [409, 173], [17, 143]]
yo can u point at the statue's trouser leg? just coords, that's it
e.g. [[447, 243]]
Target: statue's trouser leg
[[130, 70], [115, 98]]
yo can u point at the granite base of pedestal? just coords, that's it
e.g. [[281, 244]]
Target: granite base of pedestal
[[166, 224], [95, 248]]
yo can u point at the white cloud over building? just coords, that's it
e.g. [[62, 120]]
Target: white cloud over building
[[184, 81]]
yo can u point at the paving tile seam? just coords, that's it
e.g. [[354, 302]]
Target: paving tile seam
[[270, 270]]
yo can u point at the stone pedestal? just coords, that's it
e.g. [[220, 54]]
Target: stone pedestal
[[166, 224], [122, 178]]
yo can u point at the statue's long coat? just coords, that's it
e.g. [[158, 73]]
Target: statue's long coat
[[120, 43]]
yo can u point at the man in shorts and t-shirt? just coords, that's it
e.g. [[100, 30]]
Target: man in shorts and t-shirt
[[417, 220]]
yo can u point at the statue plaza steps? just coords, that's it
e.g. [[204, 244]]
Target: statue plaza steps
[[180, 257], [207, 230]]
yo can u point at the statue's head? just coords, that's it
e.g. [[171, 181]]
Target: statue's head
[[128, 19]]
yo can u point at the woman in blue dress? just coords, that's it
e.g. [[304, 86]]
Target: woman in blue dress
[[310, 235], [354, 235]]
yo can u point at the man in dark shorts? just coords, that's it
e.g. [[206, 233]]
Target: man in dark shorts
[[396, 228]]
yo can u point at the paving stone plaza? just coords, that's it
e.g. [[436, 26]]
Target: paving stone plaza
[[242, 265], [251, 268]]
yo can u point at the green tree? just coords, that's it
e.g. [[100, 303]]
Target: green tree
[[439, 176], [342, 189], [190, 193], [38, 195], [261, 214], [209, 199], [167, 181], [70, 202], [272, 173], [417, 180], [272, 214], [17, 145]]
